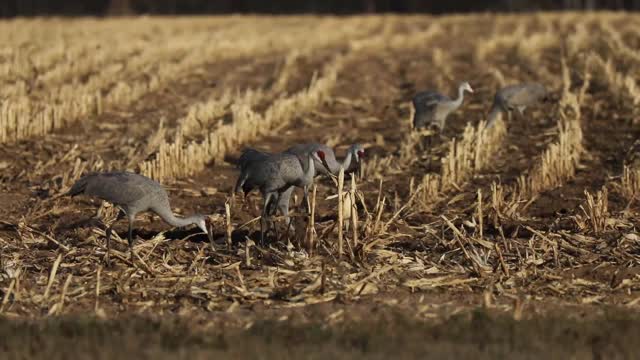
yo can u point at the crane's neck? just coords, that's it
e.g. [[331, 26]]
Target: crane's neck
[[167, 215], [457, 102], [311, 168], [346, 163]]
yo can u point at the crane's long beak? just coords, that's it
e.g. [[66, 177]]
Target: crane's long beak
[[324, 163]]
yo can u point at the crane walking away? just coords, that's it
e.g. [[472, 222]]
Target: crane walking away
[[273, 174], [516, 97], [432, 108], [134, 193]]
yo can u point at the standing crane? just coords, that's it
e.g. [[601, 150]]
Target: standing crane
[[332, 167], [133, 193], [354, 153], [433, 108], [516, 97], [273, 174]]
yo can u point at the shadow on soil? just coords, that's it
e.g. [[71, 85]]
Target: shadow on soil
[[476, 334]]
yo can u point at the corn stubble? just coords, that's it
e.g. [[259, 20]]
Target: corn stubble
[[398, 226]]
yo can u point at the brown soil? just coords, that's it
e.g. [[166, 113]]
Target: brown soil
[[576, 272]]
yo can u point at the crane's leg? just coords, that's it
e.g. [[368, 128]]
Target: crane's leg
[[305, 199], [283, 206], [273, 209], [130, 238], [108, 234], [263, 217]]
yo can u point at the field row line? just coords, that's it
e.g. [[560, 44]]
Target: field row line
[[177, 159], [23, 119], [474, 150], [559, 161], [53, 51], [618, 47], [200, 115], [466, 156]]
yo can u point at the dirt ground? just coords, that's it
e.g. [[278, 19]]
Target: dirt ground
[[538, 276]]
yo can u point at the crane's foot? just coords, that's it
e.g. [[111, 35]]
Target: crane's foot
[[107, 232], [107, 260], [261, 239], [275, 232]]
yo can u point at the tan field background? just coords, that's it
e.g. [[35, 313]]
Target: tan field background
[[533, 217]]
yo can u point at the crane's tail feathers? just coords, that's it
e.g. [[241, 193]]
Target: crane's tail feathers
[[250, 155]]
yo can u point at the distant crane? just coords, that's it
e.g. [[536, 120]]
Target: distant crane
[[433, 108], [516, 97], [133, 193], [273, 174]]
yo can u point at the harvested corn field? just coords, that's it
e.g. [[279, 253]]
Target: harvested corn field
[[534, 215]]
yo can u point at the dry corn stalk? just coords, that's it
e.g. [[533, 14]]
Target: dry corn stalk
[[340, 213], [179, 160], [630, 182], [596, 210], [181, 47]]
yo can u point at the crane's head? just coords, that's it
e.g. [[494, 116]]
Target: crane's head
[[204, 223], [321, 157], [466, 87], [357, 151]]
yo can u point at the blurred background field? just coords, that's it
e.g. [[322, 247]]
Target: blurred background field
[[200, 7]]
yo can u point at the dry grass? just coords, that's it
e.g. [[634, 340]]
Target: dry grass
[[631, 182], [180, 48], [430, 228]]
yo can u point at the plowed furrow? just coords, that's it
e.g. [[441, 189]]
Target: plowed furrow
[[112, 139]]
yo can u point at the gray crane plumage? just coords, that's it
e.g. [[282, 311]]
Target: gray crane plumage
[[433, 108], [516, 97], [355, 153], [133, 193], [274, 174]]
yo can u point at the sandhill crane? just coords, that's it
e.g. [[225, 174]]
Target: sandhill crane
[[250, 155], [133, 193], [516, 97], [273, 174], [246, 160], [432, 108], [355, 152]]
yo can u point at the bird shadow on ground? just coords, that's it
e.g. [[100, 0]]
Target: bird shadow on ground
[[191, 234], [82, 223], [240, 236]]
